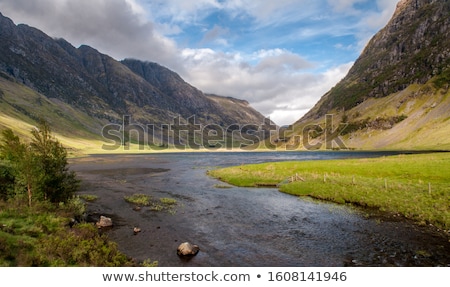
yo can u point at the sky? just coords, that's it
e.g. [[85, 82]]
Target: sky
[[281, 56]]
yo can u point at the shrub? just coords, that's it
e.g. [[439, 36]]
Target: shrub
[[80, 246], [39, 168]]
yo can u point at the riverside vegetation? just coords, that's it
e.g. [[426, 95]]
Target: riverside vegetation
[[163, 204], [414, 186], [37, 204]]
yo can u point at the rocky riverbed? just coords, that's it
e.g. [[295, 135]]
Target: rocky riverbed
[[244, 226]]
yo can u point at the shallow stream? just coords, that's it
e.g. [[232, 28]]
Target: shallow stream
[[245, 226]]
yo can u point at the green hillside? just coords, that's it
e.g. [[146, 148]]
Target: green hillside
[[21, 108]]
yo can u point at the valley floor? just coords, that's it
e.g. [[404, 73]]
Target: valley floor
[[413, 186]]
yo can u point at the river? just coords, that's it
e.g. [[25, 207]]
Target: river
[[243, 227]]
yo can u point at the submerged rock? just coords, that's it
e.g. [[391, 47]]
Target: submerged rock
[[187, 249], [104, 222]]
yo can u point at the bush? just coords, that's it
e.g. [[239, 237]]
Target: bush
[[80, 246], [39, 169]]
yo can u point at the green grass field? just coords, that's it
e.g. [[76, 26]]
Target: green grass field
[[415, 186]]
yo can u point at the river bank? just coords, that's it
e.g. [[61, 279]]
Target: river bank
[[415, 186]]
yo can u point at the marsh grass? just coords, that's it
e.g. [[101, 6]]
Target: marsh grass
[[415, 186], [162, 204], [139, 199]]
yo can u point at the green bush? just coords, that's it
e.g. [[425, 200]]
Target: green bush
[[39, 236], [80, 246], [6, 182], [39, 169]]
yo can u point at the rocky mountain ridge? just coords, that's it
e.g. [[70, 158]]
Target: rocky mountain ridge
[[396, 95], [412, 48], [106, 89]]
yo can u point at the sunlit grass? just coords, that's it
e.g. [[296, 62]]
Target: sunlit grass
[[162, 204], [415, 186]]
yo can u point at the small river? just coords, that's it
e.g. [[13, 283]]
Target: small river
[[245, 226]]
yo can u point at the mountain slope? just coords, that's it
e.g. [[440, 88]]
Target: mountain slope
[[413, 48], [21, 108], [102, 89], [396, 95]]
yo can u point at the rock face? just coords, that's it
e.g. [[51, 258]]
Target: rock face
[[413, 48], [187, 249], [396, 95]]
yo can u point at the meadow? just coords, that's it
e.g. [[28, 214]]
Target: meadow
[[415, 186]]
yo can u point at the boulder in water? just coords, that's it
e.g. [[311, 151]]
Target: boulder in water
[[187, 249]]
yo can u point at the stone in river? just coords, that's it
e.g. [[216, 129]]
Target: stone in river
[[187, 249]]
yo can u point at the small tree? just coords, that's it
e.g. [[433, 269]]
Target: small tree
[[57, 183], [21, 162], [41, 167], [8, 147]]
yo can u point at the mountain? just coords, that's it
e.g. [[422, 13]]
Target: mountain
[[80, 91], [190, 101], [396, 95]]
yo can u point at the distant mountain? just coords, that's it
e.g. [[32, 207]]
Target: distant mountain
[[190, 101], [396, 95], [85, 82]]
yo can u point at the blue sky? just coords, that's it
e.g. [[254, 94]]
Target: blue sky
[[281, 56]]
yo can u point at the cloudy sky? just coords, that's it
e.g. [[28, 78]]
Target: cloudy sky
[[281, 56]]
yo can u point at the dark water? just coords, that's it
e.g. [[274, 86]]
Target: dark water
[[245, 226]]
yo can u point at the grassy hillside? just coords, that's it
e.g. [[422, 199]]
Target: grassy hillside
[[416, 118], [21, 108]]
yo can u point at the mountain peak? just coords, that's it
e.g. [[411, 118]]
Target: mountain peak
[[412, 48], [404, 65]]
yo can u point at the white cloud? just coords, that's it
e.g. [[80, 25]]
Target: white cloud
[[377, 20], [271, 90], [344, 6], [273, 12], [181, 11], [115, 27], [278, 60], [216, 35], [374, 21]]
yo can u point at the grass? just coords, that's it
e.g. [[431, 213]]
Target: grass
[[422, 124], [162, 204], [40, 236], [138, 199], [415, 186]]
